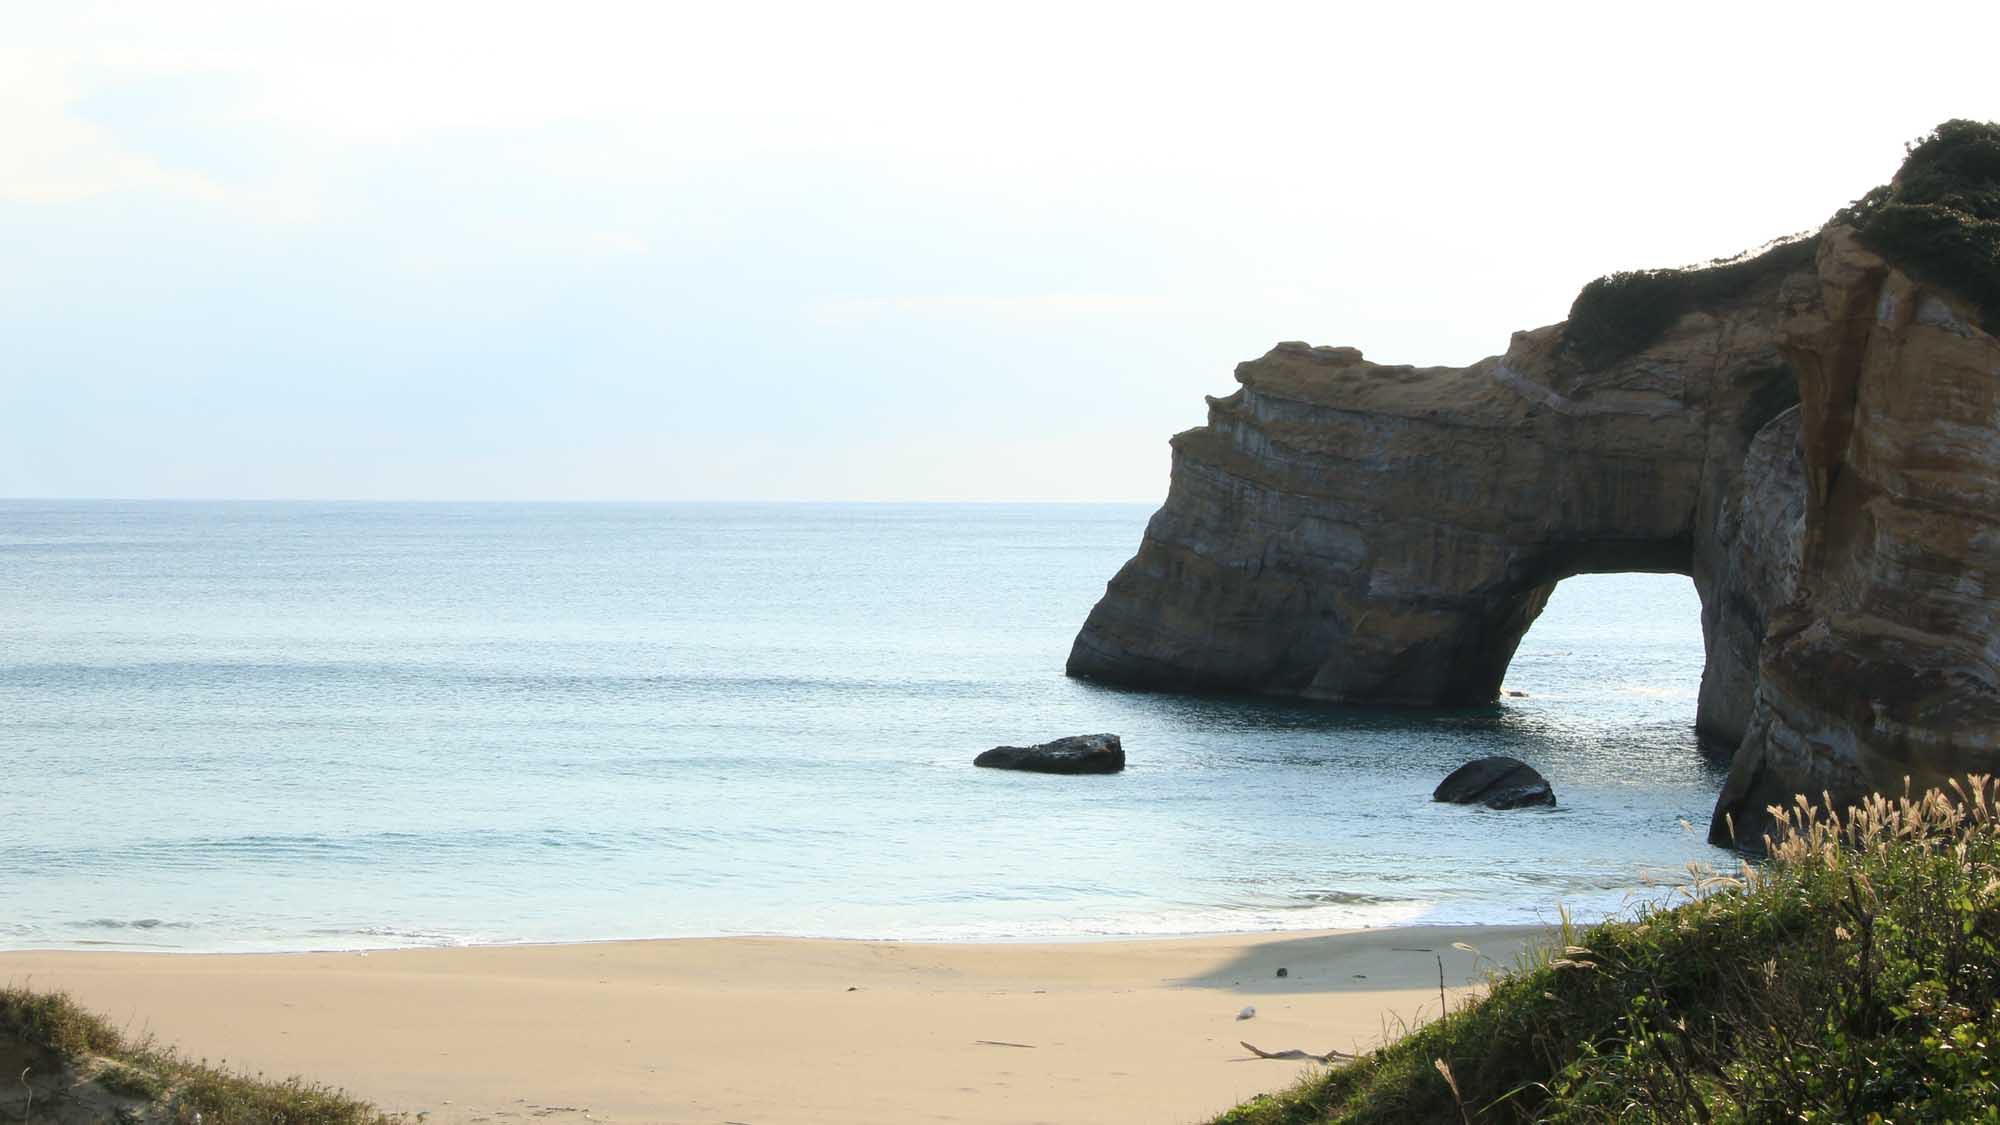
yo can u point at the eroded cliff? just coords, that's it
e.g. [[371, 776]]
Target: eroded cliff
[[1886, 663], [1812, 435], [1348, 531]]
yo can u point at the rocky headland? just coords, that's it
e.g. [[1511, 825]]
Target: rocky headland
[[1812, 434]]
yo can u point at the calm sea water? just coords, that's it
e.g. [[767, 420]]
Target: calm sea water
[[290, 726]]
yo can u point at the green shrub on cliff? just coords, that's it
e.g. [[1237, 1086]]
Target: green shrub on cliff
[[1855, 978], [1939, 220], [1618, 315]]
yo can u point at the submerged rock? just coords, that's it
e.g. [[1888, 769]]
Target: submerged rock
[[1497, 783], [1079, 753]]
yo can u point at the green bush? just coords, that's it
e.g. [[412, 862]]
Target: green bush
[[1855, 978], [53, 1024], [1616, 316], [1939, 219], [66, 1043]]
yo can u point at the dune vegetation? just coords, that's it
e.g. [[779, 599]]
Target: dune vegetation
[[1853, 977], [63, 1065]]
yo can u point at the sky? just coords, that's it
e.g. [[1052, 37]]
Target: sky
[[855, 251]]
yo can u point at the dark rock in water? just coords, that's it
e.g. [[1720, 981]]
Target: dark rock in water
[[1497, 783], [1079, 753]]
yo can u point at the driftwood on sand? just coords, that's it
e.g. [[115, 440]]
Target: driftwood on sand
[[1330, 1057]]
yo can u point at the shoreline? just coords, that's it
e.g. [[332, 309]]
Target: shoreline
[[1000, 941], [766, 1030]]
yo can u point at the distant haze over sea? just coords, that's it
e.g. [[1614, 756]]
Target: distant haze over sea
[[328, 725]]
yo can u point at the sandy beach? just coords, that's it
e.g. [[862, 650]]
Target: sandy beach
[[770, 1031]]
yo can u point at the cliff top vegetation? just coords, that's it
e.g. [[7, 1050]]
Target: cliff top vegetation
[[1621, 313], [1938, 220]]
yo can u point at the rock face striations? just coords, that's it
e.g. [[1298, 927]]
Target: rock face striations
[[1813, 436], [1886, 664], [1348, 531]]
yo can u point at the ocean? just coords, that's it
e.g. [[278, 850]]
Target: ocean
[[286, 726]]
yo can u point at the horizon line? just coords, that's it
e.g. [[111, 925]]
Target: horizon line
[[529, 500]]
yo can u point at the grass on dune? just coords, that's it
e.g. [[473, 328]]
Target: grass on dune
[[65, 1064], [1854, 978]]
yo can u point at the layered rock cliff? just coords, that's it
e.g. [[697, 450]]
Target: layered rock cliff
[[1886, 663], [1347, 531], [1813, 436]]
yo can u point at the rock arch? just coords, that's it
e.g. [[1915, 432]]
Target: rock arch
[[1349, 531], [1815, 442]]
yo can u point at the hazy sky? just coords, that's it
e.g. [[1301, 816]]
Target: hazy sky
[[850, 250]]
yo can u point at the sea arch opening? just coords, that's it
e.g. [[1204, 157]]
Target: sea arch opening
[[1489, 635], [1612, 638]]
